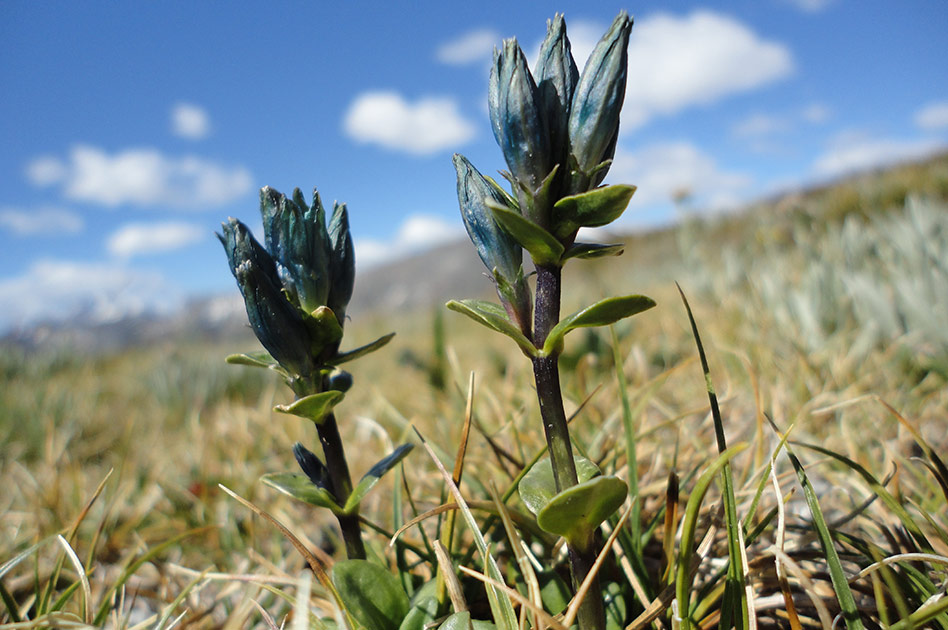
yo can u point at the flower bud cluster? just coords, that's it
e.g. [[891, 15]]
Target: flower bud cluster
[[557, 129], [297, 288]]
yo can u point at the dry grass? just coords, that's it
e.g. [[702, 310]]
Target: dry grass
[[172, 421]]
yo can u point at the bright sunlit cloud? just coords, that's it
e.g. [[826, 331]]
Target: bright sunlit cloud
[[417, 233], [852, 151], [45, 221], [141, 177], [666, 170], [190, 121], [141, 239], [677, 62], [932, 117], [471, 47], [426, 126], [57, 290]]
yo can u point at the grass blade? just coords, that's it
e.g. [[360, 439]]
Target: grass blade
[[735, 585], [844, 594]]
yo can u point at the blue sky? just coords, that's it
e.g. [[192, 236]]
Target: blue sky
[[130, 130]]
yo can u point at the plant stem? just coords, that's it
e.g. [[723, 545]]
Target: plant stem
[[547, 375], [335, 456]]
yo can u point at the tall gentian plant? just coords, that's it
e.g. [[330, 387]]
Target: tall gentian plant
[[296, 290], [557, 129]]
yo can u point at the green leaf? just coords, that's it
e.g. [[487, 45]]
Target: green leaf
[[375, 473], [537, 488], [602, 313], [302, 489], [314, 407], [594, 208], [543, 247], [257, 359], [361, 351], [577, 511], [554, 593], [593, 250], [370, 593], [253, 359], [462, 621], [615, 605], [424, 607], [324, 327], [457, 621], [494, 317]]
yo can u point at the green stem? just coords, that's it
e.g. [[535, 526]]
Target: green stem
[[546, 373], [335, 456]]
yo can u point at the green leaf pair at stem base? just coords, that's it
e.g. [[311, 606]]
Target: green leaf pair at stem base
[[577, 511]]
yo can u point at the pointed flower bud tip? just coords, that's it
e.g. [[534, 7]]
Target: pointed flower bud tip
[[594, 114], [516, 116]]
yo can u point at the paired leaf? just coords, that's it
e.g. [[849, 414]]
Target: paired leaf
[[361, 351], [577, 511], [302, 489], [595, 208], [494, 317], [371, 594], [602, 313], [253, 359], [593, 250], [538, 487], [543, 247], [314, 407], [375, 473]]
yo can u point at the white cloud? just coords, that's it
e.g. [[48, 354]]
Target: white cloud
[[136, 239], [932, 117], [810, 6], [850, 152], [757, 125], [471, 47], [662, 171], [816, 113], [44, 221], [45, 171], [61, 290], [190, 121], [676, 62], [143, 177], [424, 127], [417, 233]]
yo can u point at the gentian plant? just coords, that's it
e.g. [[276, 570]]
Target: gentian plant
[[557, 129], [296, 290]]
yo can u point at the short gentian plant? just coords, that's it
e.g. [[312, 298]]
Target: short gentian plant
[[557, 129], [296, 290]]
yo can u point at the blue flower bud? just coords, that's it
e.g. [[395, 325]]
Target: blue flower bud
[[594, 114], [312, 466], [557, 76], [342, 262], [278, 324], [496, 248], [296, 237], [499, 252], [517, 118]]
